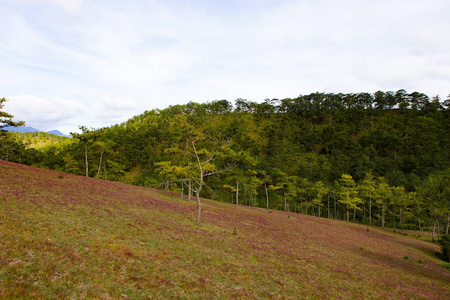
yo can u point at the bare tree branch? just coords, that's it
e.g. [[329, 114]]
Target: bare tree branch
[[220, 171]]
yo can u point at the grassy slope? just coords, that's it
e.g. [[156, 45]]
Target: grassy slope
[[65, 236], [41, 140]]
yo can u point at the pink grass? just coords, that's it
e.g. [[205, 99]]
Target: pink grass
[[68, 236]]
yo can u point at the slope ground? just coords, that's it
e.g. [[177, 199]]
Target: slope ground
[[64, 236]]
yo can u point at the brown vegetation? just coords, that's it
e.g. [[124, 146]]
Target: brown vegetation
[[68, 236]]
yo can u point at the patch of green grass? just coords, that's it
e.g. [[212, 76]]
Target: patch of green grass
[[445, 265]]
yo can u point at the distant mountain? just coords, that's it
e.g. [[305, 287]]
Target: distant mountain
[[24, 129], [21, 129], [57, 132]]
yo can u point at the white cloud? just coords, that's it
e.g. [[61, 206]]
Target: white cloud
[[68, 6], [109, 60], [72, 6], [45, 114], [66, 115]]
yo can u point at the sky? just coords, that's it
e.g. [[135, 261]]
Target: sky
[[96, 63]]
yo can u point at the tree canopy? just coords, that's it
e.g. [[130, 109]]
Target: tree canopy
[[372, 158]]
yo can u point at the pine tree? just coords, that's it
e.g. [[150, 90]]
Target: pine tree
[[349, 194]]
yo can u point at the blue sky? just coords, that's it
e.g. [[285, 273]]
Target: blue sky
[[65, 63]]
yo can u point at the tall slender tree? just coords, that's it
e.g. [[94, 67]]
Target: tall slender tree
[[367, 191], [349, 194]]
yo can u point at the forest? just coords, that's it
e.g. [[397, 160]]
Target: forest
[[381, 159]]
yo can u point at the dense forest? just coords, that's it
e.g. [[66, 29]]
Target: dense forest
[[381, 159]]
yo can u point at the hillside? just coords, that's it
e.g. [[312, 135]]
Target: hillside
[[66, 236], [380, 159], [27, 129], [21, 129], [39, 141]]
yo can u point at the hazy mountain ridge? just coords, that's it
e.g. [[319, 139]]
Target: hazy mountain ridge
[[27, 129]]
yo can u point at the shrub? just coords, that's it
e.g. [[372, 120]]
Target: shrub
[[445, 245]]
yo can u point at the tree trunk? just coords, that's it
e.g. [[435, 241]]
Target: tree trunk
[[237, 193], [370, 211], [383, 217], [401, 219], [100, 164], [348, 214], [182, 190], [312, 206], [86, 160], [267, 196], [104, 167], [246, 202], [328, 197], [199, 203], [448, 223], [395, 228], [364, 212], [335, 206], [306, 204], [438, 229], [189, 189], [348, 207], [200, 186], [434, 231], [378, 220]]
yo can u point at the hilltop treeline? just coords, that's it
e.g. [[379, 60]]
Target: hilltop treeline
[[381, 158]]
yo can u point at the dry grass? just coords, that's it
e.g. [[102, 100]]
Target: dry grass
[[64, 236]]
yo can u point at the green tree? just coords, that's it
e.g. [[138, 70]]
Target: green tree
[[170, 173], [70, 164], [349, 195], [254, 182], [383, 195], [239, 177], [8, 144], [104, 147], [266, 181], [289, 184], [436, 193], [398, 204], [208, 150], [204, 156], [87, 137], [319, 191], [6, 118], [367, 190]]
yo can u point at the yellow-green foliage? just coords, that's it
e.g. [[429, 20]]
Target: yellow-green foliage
[[40, 140]]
